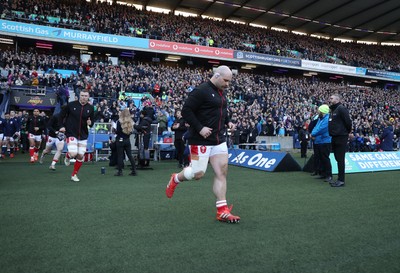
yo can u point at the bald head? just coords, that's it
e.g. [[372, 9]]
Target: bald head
[[223, 70], [222, 77]]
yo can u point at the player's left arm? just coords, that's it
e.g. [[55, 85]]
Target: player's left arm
[[228, 121], [90, 121], [92, 117]]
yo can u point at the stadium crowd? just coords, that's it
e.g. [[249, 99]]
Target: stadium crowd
[[264, 105], [96, 17]]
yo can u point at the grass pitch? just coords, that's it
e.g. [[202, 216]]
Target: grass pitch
[[291, 222]]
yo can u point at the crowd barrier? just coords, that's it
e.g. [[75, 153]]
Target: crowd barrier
[[285, 143]]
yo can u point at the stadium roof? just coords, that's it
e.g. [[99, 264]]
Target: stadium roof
[[359, 20]]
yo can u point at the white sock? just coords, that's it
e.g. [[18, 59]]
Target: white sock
[[221, 203], [176, 179]]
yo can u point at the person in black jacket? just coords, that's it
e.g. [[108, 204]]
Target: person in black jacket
[[304, 137], [179, 127], [35, 126], [74, 120], [122, 139], [253, 133], [54, 138], [205, 110], [340, 126], [244, 131], [270, 128]]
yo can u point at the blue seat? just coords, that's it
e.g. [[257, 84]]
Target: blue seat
[[275, 147], [166, 134], [98, 145]]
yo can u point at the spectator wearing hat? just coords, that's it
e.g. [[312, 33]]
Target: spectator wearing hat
[[322, 141]]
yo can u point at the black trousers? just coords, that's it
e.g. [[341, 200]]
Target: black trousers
[[303, 148], [124, 147], [180, 149], [317, 159], [146, 141], [339, 144], [325, 163], [24, 142]]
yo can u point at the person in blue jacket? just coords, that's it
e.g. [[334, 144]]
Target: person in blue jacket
[[322, 141]]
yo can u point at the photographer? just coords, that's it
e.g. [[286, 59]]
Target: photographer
[[107, 114], [144, 130]]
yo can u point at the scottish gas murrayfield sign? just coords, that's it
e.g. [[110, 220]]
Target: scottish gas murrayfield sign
[[368, 162], [85, 37]]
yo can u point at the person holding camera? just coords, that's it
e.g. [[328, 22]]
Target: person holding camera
[[143, 139]]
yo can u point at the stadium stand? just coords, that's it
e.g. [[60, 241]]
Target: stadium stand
[[95, 17]]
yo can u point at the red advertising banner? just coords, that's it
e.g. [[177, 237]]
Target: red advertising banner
[[191, 49]]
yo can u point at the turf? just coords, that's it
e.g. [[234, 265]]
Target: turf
[[291, 222]]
